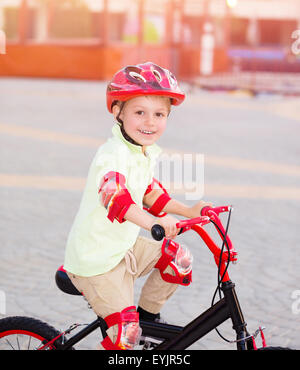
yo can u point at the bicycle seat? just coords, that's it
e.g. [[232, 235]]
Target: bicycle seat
[[64, 283]]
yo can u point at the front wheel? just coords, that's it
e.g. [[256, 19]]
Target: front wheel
[[275, 349], [26, 333]]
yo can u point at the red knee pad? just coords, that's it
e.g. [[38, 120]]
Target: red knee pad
[[180, 260], [129, 330]]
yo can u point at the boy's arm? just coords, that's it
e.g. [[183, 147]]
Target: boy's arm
[[141, 218], [114, 196], [174, 206]]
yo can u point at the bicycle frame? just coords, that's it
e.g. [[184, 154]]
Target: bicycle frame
[[177, 337]]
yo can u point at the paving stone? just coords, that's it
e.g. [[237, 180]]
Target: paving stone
[[34, 222]]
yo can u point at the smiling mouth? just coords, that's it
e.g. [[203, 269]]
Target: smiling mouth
[[146, 132]]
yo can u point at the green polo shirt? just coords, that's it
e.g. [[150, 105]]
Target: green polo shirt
[[95, 244]]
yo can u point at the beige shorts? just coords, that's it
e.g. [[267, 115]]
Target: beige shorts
[[114, 290]]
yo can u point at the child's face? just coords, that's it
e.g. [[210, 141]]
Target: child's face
[[145, 118]]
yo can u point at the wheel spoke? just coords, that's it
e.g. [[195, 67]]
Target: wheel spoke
[[25, 333], [18, 342], [29, 343], [39, 346], [8, 342]]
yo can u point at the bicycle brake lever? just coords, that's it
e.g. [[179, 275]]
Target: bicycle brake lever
[[216, 210]]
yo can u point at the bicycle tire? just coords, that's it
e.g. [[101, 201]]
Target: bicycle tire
[[20, 332], [270, 348]]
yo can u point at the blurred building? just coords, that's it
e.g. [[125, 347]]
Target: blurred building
[[94, 38]]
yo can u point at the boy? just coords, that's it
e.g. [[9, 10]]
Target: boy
[[104, 253]]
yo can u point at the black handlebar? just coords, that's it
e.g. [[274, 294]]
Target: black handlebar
[[157, 232]]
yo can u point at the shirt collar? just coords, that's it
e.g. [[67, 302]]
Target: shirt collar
[[152, 150]]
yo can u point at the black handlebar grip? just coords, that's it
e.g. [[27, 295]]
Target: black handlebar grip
[[157, 232]]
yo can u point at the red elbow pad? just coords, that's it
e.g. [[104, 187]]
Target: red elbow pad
[[119, 206], [114, 196]]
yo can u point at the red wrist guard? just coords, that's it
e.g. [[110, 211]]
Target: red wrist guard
[[160, 202]]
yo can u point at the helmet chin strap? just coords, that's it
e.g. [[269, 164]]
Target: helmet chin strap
[[124, 133]]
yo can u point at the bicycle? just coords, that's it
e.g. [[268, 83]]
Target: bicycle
[[155, 336]]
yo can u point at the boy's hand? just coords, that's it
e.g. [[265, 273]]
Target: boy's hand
[[195, 210], [169, 224]]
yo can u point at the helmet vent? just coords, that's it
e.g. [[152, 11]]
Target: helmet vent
[[172, 80], [137, 76], [157, 75]]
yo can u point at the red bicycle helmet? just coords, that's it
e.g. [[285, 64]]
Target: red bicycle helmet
[[143, 79]]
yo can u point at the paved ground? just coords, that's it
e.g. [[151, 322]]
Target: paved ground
[[268, 82], [49, 133]]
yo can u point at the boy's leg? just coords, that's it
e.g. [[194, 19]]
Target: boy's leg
[[155, 291], [107, 293]]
